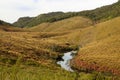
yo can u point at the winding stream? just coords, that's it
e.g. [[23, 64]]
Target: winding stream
[[65, 63]]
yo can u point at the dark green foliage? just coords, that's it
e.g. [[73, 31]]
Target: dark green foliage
[[50, 17], [5, 23], [100, 14], [22, 22], [0, 22], [103, 13]]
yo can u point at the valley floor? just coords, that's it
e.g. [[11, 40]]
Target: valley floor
[[98, 56]]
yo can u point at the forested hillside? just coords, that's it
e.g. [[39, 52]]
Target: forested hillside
[[100, 14]]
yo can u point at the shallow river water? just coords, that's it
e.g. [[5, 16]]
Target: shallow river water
[[65, 63]]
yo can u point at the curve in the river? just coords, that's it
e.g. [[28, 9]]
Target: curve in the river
[[65, 63]]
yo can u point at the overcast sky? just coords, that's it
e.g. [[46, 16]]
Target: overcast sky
[[11, 10]]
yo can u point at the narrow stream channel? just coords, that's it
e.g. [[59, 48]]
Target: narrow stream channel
[[65, 63]]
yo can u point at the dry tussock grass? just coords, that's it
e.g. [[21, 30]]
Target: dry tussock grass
[[99, 43], [103, 50], [36, 46], [7, 28]]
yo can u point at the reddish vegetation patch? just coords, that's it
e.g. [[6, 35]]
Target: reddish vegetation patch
[[84, 65]]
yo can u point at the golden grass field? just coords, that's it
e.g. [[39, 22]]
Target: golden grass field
[[99, 44], [103, 52], [10, 28], [32, 45]]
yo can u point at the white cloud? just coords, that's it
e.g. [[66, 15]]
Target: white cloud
[[11, 10]]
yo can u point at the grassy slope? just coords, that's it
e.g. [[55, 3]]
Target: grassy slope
[[30, 45], [100, 50], [10, 28], [31, 55], [100, 45], [103, 51], [31, 48], [63, 25], [24, 48], [38, 46]]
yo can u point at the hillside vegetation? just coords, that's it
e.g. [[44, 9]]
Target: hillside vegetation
[[99, 51], [4, 26], [27, 53], [4, 23], [100, 14], [103, 50], [31, 46], [31, 53], [23, 21], [69, 24], [104, 13], [50, 17]]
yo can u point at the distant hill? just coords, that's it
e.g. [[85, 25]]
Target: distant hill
[[4, 26], [104, 13], [22, 21], [33, 21], [4, 23], [100, 14]]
